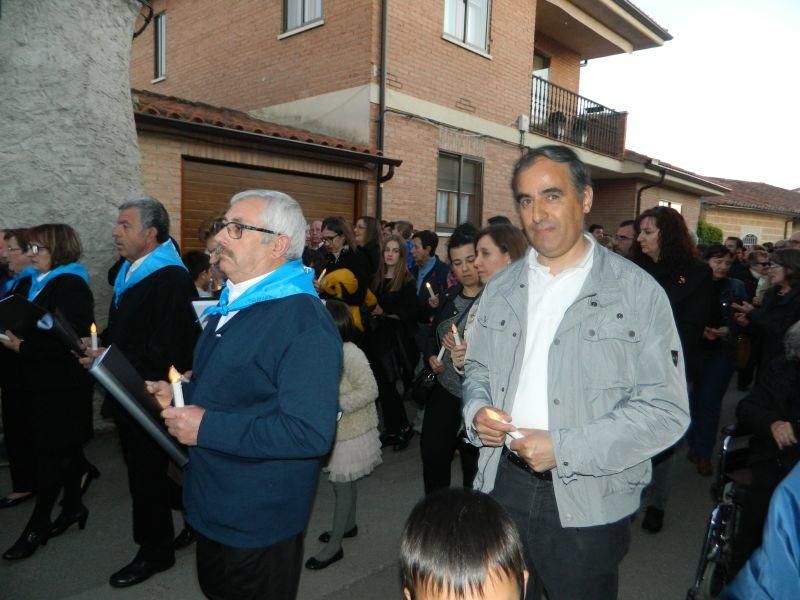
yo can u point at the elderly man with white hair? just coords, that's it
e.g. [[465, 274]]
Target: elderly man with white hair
[[255, 428]]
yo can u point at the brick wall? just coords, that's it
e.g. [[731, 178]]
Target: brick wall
[[614, 202], [565, 64], [738, 223]]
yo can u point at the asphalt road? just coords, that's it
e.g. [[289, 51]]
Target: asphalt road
[[77, 564]]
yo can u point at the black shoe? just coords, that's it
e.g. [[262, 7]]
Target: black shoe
[[26, 545], [325, 536], [403, 439], [138, 571], [90, 475], [6, 502], [653, 519], [187, 537], [389, 439], [315, 565], [64, 522]]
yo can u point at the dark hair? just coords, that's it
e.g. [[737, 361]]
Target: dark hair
[[197, 262], [428, 239], [372, 231], [464, 234], [404, 228], [578, 172], [768, 246], [61, 240], [341, 227], [452, 541], [789, 259], [716, 251], [152, 214], [739, 242], [343, 318], [627, 223], [595, 226], [508, 238], [210, 227], [755, 256], [19, 234], [676, 248], [498, 220]]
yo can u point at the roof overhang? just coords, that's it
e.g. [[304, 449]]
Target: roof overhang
[[762, 211], [598, 28]]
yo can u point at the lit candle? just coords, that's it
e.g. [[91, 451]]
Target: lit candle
[[456, 337], [321, 275], [430, 289], [496, 416], [93, 331], [177, 390]]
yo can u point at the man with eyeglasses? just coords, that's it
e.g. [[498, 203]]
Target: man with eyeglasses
[[261, 406], [624, 238], [4, 274], [152, 322]]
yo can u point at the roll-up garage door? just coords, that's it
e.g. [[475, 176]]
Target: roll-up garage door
[[207, 189]]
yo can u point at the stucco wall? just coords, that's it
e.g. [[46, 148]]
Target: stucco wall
[[69, 150], [739, 223]]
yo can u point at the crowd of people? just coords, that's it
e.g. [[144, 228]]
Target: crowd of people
[[555, 360]]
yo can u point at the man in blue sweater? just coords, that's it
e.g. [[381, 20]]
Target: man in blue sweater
[[255, 428]]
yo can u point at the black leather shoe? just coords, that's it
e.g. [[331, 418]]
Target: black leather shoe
[[325, 536], [26, 545], [315, 565], [138, 571], [187, 537], [653, 519], [64, 522], [403, 438], [7, 502]]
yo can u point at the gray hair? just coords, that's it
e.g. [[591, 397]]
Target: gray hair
[[283, 214], [791, 342], [151, 213]]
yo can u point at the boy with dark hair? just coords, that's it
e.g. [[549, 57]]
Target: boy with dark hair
[[461, 544]]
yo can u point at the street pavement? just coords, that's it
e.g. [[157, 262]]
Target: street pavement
[[77, 564]]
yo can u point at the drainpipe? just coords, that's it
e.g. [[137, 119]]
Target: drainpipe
[[647, 187], [379, 179]]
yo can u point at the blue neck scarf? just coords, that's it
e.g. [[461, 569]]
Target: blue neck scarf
[[26, 272], [289, 279], [70, 269], [164, 255]]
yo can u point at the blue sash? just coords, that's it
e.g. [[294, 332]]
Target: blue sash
[[70, 269], [26, 272], [289, 279], [163, 256]]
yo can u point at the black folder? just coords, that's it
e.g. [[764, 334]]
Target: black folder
[[120, 378], [17, 314], [60, 327]]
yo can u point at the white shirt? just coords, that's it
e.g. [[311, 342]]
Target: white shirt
[[234, 291], [135, 265], [549, 297]]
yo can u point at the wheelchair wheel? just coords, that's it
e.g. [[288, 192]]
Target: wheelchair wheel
[[715, 578]]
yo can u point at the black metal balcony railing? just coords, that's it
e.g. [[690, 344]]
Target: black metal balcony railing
[[564, 115]]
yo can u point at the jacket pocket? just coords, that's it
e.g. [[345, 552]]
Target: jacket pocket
[[609, 355]]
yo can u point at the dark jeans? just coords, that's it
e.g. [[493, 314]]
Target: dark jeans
[[567, 562], [18, 431], [705, 401], [228, 573], [439, 440], [150, 490]]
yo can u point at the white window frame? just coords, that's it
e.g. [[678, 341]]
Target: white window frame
[[443, 228], [676, 205], [305, 22], [460, 37], [159, 47]]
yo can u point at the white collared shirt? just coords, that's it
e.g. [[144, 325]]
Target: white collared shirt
[[234, 291], [136, 264], [549, 297]]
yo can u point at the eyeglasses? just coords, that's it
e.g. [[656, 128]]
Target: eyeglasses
[[235, 229], [35, 248], [624, 238], [764, 264], [328, 239]]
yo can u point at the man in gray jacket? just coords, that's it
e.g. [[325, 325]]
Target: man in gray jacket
[[574, 353]]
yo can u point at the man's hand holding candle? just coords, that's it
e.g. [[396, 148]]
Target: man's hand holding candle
[[492, 425], [184, 423], [536, 448]]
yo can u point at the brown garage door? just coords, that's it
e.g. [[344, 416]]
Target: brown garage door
[[207, 188]]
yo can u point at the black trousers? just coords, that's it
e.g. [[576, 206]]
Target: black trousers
[[229, 573], [567, 562], [391, 404], [439, 440], [18, 431], [150, 489]]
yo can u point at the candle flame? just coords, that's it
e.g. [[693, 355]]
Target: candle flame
[[454, 329], [174, 376], [428, 284], [494, 414], [321, 275], [93, 328]]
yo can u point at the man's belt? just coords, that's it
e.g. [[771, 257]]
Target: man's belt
[[520, 463]]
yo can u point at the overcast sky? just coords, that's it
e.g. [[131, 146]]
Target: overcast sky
[[722, 98]]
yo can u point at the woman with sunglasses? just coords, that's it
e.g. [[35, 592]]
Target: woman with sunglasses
[[57, 388], [779, 309]]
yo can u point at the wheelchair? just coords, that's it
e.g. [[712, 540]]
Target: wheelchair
[[714, 570]]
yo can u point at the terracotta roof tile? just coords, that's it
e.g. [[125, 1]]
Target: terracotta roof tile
[[150, 103], [756, 196]]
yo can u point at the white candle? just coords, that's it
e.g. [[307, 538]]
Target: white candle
[[321, 275], [177, 390], [441, 354], [496, 416], [456, 337], [430, 289], [93, 331]]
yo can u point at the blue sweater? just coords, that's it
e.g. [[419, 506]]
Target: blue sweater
[[269, 381]]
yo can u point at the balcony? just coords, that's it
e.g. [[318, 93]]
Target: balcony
[[558, 113]]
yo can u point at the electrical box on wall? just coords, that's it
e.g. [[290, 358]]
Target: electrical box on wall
[[523, 122]]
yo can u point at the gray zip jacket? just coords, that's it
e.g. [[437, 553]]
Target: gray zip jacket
[[616, 384]]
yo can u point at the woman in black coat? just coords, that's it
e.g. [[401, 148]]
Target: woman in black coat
[[58, 389], [368, 238]]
